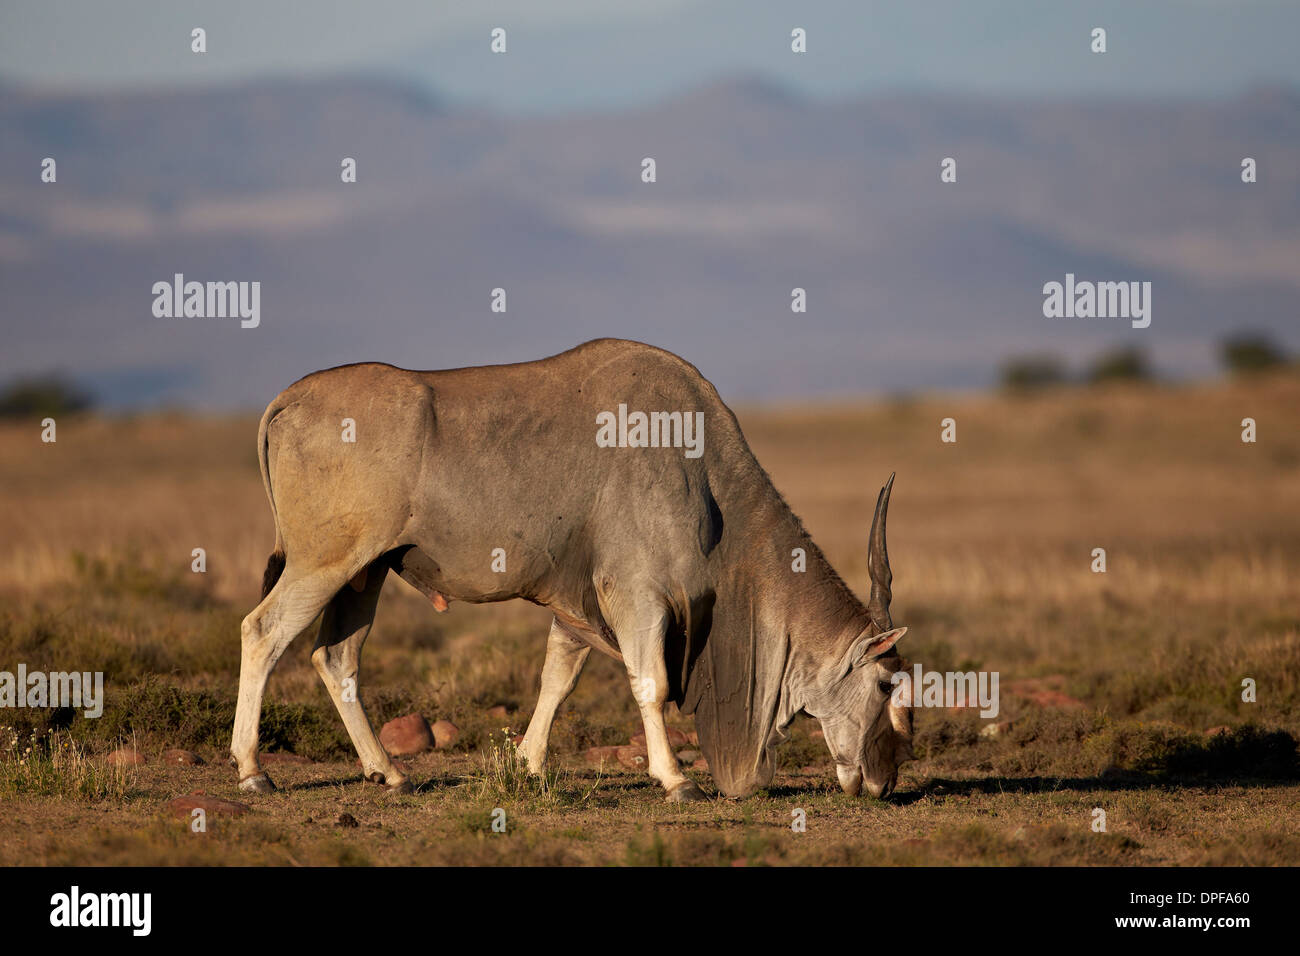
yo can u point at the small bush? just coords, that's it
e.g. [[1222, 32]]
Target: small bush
[[1120, 365], [1032, 371], [1251, 352], [40, 396], [1244, 752]]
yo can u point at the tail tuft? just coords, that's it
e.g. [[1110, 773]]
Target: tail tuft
[[274, 568]]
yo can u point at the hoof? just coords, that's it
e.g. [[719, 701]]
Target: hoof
[[404, 786], [688, 792], [257, 783]]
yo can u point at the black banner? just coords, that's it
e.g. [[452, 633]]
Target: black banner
[[341, 906]]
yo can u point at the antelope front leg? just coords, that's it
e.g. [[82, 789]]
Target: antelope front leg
[[648, 674], [663, 763]]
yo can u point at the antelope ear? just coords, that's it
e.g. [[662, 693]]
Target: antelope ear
[[869, 647]]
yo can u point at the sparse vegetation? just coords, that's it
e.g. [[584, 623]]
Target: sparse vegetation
[[57, 765], [503, 776], [989, 541]]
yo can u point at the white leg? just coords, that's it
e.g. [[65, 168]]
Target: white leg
[[337, 658], [565, 656], [283, 614], [647, 671]]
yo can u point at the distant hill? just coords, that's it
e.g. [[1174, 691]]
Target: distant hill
[[911, 283]]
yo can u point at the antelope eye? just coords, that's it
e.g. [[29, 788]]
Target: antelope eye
[[886, 687]]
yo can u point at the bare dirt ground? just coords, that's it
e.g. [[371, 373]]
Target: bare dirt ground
[[1120, 691]]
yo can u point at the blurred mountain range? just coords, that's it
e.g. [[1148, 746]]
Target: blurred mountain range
[[911, 283]]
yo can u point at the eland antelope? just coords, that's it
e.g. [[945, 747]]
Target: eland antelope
[[499, 482]]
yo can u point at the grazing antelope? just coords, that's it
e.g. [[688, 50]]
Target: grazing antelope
[[668, 551]]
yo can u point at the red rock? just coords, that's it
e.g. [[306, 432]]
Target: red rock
[[126, 757], [633, 757], [284, 759], [817, 734], [676, 738], [406, 735], [198, 800], [186, 758], [1045, 692], [693, 739], [498, 712], [689, 756], [600, 755], [700, 764], [445, 733]]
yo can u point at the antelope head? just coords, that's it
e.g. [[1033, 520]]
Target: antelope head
[[867, 725]]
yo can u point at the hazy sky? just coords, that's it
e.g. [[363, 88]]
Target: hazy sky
[[575, 54]]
